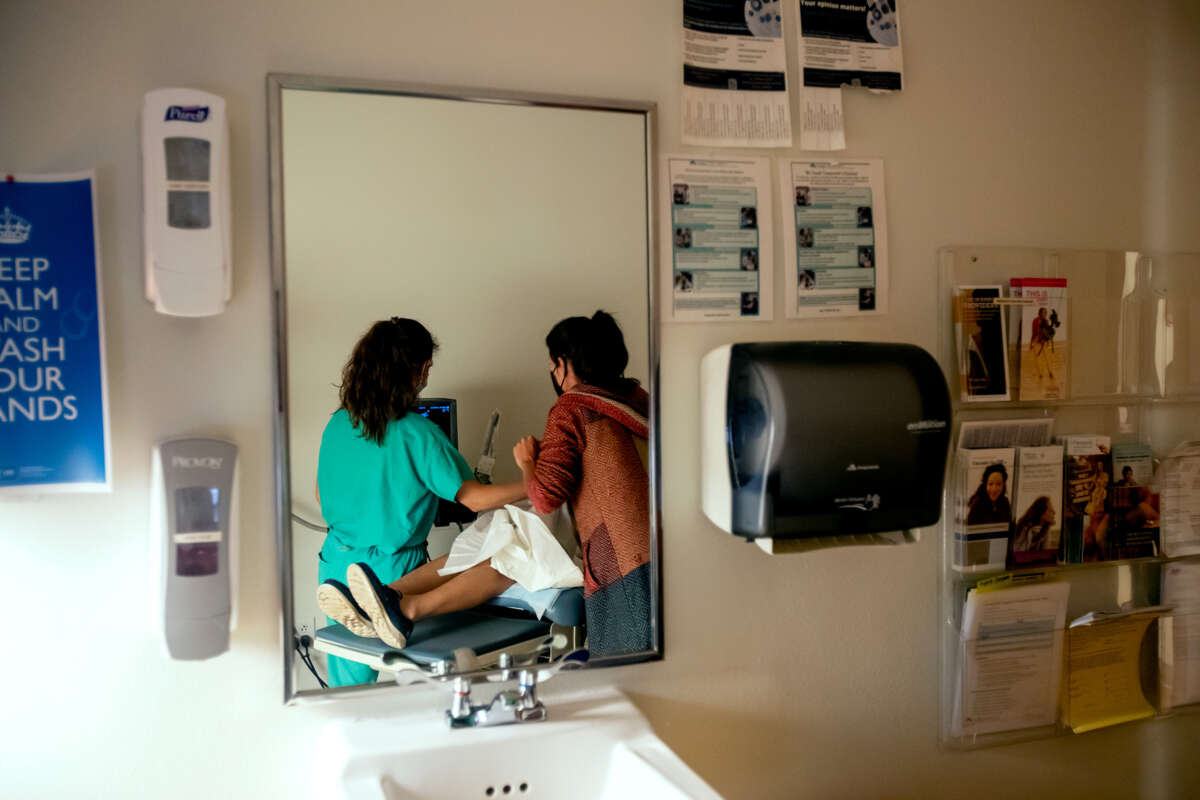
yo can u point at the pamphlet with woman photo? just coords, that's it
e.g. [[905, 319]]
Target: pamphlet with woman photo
[[985, 518], [1039, 490], [1043, 341]]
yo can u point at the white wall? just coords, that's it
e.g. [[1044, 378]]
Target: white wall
[[1023, 123]]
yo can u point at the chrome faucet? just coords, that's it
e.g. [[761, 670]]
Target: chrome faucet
[[507, 706]]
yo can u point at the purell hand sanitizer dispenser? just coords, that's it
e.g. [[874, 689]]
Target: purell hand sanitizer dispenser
[[193, 529], [187, 217]]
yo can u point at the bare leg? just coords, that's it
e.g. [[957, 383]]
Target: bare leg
[[424, 578], [457, 592]]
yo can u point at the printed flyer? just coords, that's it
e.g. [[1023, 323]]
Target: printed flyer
[[1087, 472], [835, 249], [1133, 502], [735, 74], [1042, 337], [1039, 492], [850, 42], [719, 240], [53, 396], [981, 341]]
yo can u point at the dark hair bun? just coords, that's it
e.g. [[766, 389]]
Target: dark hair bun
[[594, 346]]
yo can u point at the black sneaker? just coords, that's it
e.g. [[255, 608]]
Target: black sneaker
[[382, 604], [336, 602]]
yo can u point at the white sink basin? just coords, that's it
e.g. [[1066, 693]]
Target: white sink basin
[[595, 745]]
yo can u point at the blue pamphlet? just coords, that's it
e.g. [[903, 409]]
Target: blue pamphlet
[[53, 393]]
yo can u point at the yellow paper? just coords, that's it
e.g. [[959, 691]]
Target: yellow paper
[[1009, 580], [1105, 684]]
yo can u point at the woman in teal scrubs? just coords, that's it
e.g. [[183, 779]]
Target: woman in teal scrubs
[[382, 469]]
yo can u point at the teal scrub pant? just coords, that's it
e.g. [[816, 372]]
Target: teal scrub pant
[[389, 566]]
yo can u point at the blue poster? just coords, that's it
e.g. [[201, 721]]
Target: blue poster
[[53, 394]]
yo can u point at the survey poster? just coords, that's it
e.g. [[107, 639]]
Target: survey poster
[[719, 240], [734, 91], [850, 42], [53, 398], [835, 249]]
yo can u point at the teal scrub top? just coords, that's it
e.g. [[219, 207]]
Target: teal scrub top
[[386, 496]]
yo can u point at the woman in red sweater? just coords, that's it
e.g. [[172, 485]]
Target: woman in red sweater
[[593, 457]]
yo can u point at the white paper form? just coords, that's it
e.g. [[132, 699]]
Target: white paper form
[[735, 74], [718, 239], [1179, 635], [821, 121], [835, 238], [1012, 642], [1178, 482], [850, 42]]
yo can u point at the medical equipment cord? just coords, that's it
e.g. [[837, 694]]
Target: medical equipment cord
[[310, 525], [304, 641]]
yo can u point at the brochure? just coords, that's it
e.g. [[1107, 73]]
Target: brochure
[[1133, 503], [1179, 483], [1038, 526], [984, 518], [1087, 472], [982, 344], [1042, 338]]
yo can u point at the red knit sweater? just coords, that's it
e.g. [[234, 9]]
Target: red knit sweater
[[593, 457]]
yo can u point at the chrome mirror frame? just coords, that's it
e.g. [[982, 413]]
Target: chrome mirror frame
[[276, 84]]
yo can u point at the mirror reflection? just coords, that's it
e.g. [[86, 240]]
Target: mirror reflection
[[467, 347]]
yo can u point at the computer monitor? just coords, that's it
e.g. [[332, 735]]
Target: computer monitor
[[443, 411]]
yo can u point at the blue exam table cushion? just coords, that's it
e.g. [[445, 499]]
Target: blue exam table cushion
[[563, 606], [436, 638]]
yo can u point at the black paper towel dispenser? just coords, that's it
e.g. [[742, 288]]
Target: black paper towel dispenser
[[807, 439]]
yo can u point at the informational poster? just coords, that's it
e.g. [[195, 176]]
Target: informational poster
[[850, 42], [835, 248], [718, 244], [53, 394], [735, 74]]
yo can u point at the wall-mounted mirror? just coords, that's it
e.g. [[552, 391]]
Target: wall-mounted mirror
[[489, 218]]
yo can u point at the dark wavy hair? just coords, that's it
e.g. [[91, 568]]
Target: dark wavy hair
[[380, 380], [1037, 509], [981, 491], [596, 349]]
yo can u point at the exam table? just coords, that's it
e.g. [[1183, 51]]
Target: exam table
[[507, 623]]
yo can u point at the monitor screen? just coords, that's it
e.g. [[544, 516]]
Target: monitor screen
[[443, 411]]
